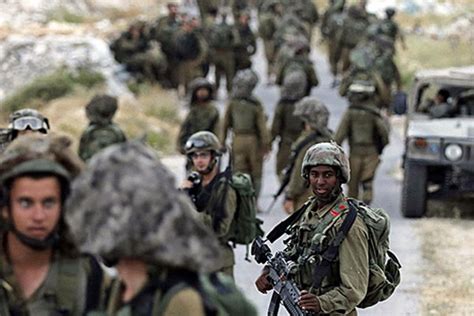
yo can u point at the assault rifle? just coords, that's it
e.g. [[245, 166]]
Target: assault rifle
[[285, 290]]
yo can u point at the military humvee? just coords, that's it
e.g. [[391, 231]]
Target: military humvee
[[439, 146]]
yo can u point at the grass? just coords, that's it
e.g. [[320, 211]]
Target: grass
[[49, 87], [64, 15]]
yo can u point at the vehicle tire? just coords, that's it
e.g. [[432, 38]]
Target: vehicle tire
[[414, 190]]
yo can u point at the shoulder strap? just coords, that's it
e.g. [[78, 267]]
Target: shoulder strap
[[280, 228], [329, 255], [68, 280], [94, 285]]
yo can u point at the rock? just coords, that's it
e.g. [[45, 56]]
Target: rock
[[24, 58]]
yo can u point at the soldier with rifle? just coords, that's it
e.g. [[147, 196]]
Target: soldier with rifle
[[315, 117]]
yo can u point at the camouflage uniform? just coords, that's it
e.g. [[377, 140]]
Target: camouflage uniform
[[246, 117], [368, 132], [246, 44], [286, 126], [64, 288], [316, 117], [101, 132], [216, 202], [331, 28], [125, 205], [202, 116]]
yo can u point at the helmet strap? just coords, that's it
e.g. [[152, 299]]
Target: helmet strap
[[37, 244]]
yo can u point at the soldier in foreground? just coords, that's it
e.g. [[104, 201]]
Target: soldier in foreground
[[367, 131], [326, 168], [125, 208], [315, 117], [102, 131], [41, 270], [214, 199]]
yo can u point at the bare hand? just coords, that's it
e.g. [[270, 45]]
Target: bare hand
[[309, 302], [289, 206], [262, 283], [186, 184]]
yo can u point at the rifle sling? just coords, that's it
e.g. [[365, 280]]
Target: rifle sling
[[274, 304], [280, 228], [323, 269]]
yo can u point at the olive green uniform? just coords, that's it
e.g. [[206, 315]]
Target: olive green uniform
[[246, 47], [364, 130], [63, 292], [299, 63], [246, 118], [346, 286], [97, 137], [298, 190], [287, 127], [221, 50], [218, 216], [201, 117]]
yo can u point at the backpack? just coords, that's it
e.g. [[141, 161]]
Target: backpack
[[221, 37], [245, 225], [353, 31], [98, 137], [384, 266], [218, 292]]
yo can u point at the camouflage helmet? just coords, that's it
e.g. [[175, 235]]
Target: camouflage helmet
[[294, 86], [125, 204], [203, 140], [101, 109], [39, 154], [329, 154], [28, 119], [313, 112], [243, 83]]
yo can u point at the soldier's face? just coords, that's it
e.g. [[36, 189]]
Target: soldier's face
[[202, 93], [201, 160], [35, 206], [323, 180]]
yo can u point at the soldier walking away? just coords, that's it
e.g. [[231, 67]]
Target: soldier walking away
[[390, 28], [23, 122], [213, 198], [203, 114], [102, 131], [286, 126], [315, 117], [330, 244], [367, 131], [246, 45], [245, 116], [41, 270], [125, 208]]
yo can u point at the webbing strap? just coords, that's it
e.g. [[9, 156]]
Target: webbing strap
[[94, 285], [323, 269], [280, 228]]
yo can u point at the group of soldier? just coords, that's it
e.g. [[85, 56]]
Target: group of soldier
[[63, 221]]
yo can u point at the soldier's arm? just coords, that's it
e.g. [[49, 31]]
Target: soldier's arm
[[297, 185], [277, 121], [383, 93], [343, 129], [216, 123], [263, 134], [312, 76], [230, 208], [227, 122], [183, 134], [353, 272], [382, 126]]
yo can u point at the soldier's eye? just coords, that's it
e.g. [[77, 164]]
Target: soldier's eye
[[25, 203], [50, 203]]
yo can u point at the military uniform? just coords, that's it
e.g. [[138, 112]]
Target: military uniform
[[268, 23], [5, 138], [346, 286], [367, 133], [101, 132], [331, 28], [245, 48]]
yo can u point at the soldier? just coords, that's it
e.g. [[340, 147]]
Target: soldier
[[287, 126], [245, 116], [191, 51], [315, 116], [41, 270], [326, 167], [23, 122], [203, 114], [125, 208], [367, 131], [215, 200], [164, 31], [390, 28], [222, 41], [207, 9], [102, 131], [246, 45]]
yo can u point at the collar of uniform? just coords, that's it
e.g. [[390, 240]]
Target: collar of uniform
[[329, 207]]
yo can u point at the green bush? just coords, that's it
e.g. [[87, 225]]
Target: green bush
[[64, 15], [50, 87], [159, 141]]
